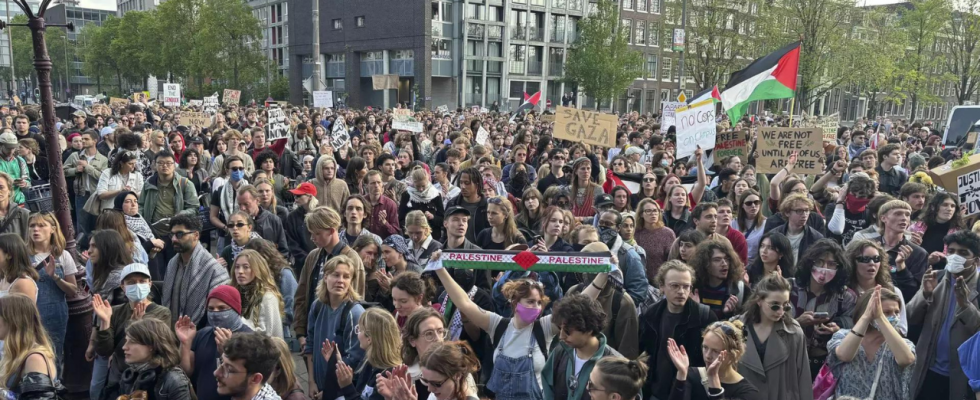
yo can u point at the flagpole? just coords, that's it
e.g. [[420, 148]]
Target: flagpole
[[792, 102]]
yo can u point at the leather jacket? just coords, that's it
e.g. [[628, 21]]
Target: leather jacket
[[160, 384], [38, 386]]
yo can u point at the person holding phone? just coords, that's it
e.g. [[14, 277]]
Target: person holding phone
[[821, 299]]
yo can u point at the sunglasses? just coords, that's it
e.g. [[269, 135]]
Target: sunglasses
[[777, 306], [649, 179], [752, 203], [495, 200], [868, 259], [237, 168], [433, 383], [238, 225], [181, 234]]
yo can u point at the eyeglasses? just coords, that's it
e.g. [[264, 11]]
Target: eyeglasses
[[591, 387], [562, 204], [800, 212], [777, 306], [678, 286], [433, 383], [238, 225], [165, 164], [651, 211], [868, 259], [224, 372], [433, 335], [180, 235]]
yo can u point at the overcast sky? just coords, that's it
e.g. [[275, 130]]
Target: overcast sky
[[99, 4]]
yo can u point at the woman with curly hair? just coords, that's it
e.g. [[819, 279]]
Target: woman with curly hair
[[719, 273], [942, 216], [723, 347], [192, 167], [822, 302]]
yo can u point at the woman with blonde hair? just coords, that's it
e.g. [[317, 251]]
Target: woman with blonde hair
[[652, 236], [870, 263], [378, 336], [283, 379], [262, 305], [422, 196], [47, 248], [420, 235], [28, 361], [502, 232], [153, 356], [723, 346], [335, 293]]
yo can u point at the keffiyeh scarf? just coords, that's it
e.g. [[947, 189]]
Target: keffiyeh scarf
[[421, 197], [228, 203], [236, 249], [139, 227]]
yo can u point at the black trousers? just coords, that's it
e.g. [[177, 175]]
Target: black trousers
[[935, 386]]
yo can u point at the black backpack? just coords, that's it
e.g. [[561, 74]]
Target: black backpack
[[537, 330]]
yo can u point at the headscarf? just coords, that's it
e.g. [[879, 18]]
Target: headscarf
[[402, 246], [136, 224]]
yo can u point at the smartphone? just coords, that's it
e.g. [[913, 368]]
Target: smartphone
[[535, 240], [821, 315]]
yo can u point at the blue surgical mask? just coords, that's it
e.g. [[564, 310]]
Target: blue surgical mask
[[664, 163], [137, 292], [894, 320], [237, 175]]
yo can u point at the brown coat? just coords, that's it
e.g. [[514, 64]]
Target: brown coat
[[301, 307], [332, 194], [785, 373], [931, 314], [626, 338]]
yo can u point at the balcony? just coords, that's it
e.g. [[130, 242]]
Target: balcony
[[476, 31], [518, 67], [495, 32], [535, 33], [442, 55], [402, 67], [440, 28], [372, 67], [557, 36], [535, 68], [442, 68]]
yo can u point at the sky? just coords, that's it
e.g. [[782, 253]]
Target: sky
[[99, 4]]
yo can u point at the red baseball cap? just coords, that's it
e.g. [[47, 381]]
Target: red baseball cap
[[304, 188]]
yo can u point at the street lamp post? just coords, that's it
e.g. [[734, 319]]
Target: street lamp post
[[42, 65]]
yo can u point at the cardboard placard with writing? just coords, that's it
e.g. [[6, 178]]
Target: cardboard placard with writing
[[776, 145], [231, 96], [586, 127], [278, 125], [191, 118], [141, 97], [731, 143], [946, 175], [403, 120], [547, 118], [968, 186], [114, 102], [668, 114], [695, 127]]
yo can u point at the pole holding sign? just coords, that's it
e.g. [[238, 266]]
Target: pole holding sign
[[586, 127]]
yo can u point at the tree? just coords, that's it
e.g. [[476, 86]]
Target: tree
[[878, 39], [962, 60], [228, 50], [96, 61], [824, 55], [716, 44], [922, 21], [177, 21], [23, 48], [133, 45], [600, 62]]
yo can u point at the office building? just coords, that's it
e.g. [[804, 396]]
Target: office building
[[63, 13]]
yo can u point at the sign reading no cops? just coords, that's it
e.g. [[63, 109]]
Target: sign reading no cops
[[695, 127], [586, 126]]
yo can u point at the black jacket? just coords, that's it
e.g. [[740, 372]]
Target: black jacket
[[815, 221], [270, 228], [687, 333], [810, 236], [298, 238], [171, 384], [480, 219]]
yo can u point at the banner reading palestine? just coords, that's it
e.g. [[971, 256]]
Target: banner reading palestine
[[523, 261]]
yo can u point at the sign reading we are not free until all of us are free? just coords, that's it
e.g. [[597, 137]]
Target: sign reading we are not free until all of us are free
[[777, 144]]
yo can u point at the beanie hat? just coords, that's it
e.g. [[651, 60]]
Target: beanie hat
[[229, 295], [117, 202]]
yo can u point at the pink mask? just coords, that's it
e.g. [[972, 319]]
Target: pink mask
[[528, 315], [823, 275]]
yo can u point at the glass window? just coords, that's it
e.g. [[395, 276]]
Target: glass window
[[655, 6], [557, 3], [654, 35], [628, 28], [652, 66], [359, 21], [641, 5], [641, 33], [338, 24], [628, 5], [668, 70]]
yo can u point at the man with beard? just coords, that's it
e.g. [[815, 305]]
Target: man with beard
[[15, 166], [192, 273], [199, 349], [247, 363], [384, 218]]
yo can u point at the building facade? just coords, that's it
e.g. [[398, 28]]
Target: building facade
[[78, 82], [8, 11], [273, 16]]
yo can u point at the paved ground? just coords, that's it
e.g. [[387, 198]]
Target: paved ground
[[301, 374]]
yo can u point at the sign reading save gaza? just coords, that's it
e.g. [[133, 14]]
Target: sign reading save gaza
[[586, 126]]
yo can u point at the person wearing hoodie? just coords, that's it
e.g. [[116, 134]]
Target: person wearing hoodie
[[857, 145], [331, 192], [581, 320], [424, 197]]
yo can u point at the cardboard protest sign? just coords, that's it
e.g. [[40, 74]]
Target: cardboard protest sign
[[829, 124], [171, 94], [947, 175], [141, 97], [277, 126], [115, 102], [668, 114], [231, 96], [776, 145], [323, 98], [731, 143], [968, 186], [443, 109], [547, 118], [339, 135], [382, 82], [586, 127], [695, 127], [482, 135], [211, 105], [405, 121], [971, 138], [190, 118]]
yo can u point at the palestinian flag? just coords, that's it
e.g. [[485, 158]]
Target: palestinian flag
[[770, 77], [529, 103], [502, 260], [706, 94]]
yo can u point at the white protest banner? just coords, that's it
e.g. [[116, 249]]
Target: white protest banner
[[278, 125], [586, 126], [668, 115], [776, 145], [484, 110], [404, 121], [696, 127], [197, 103], [171, 95], [231, 96], [323, 98], [211, 105], [482, 135], [443, 109], [339, 135], [969, 189]]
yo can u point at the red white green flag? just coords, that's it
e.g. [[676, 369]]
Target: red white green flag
[[524, 261], [770, 77]]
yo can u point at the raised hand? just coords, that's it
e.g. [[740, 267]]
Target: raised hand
[[717, 363], [731, 304], [328, 349], [678, 355], [139, 310], [185, 329], [221, 335], [793, 157], [929, 283], [935, 257], [345, 375], [962, 292], [904, 251], [102, 308]]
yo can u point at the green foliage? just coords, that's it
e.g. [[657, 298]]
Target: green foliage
[[601, 62], [714, 47], [877, 39], [962, 37], [923, 22], [23, 45], [92, 42]]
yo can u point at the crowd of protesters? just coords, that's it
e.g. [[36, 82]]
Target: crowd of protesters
[[215, 263]]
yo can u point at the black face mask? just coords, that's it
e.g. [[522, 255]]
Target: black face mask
[[466, 278], [578, 247]]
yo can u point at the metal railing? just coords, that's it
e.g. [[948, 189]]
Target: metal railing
[[535, 68], [535, 33], [517, 67], [558, 36], [475, 31]]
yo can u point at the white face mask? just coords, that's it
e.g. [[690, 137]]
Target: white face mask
[[955, 263]]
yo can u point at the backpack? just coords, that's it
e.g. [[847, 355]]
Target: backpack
[[537, 330], [345, 313]]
